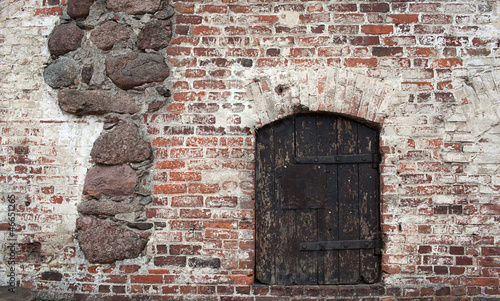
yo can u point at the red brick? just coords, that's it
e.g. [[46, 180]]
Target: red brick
[[272, 62], [481, 281], [48, 11], [255, 8], [179, 51], [343, 29], [342, 7], [206, 30], [425, 7], [203, 188], [188, 19], [387, 51], [302, 52], [170, 188], [419, 86], [374, 7], [187, 201], [240, 52], [178, 261], [212, 9], [195, 213], [464, 260], [377, 29], [289, 7], [365, 40], [185, 249], [209, 84], [146, 279], [170, 164], [348, 18], [185, 176], [359, 62], [402, 18], [445, 63], [420, 51], [437, 19], [315, 18]]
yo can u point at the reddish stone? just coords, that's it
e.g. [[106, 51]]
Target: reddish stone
[[105, 242], [82, 102], [155, 35], [123, 144], [79, 8], [108, 34], [65, 38], [107, 207], [116, 180], [134, 7], [134, 69]]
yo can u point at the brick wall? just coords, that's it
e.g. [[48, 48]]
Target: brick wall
[[426, 73]]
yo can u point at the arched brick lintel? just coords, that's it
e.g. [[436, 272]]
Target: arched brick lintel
[[352, 94]]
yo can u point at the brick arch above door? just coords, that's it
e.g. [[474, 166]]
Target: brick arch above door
[[340, 91]]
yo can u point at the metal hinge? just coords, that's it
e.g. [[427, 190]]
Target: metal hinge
[[374, 158], [341, 245]]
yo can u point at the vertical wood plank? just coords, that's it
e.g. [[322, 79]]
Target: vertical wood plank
[[265, 215], [283, 247], [305, 136], [348, 202], [328, 261], [369, 205], [306, 223], [305, 231]]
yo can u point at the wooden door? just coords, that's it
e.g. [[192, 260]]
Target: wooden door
[[317, 202]]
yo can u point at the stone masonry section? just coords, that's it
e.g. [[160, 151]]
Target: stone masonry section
[[128, 135], [108, 75]]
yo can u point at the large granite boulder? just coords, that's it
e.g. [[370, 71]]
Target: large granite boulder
[[108, 34], [61, 73], [122, 145], [88, 102], [135, 7], [78, 9], [105, 242], [114, 180], [135, 69], [65, 38], [155, 35], [109, 207]]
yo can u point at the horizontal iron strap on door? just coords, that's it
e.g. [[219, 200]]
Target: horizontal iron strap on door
[[340, 159], [340, 245]]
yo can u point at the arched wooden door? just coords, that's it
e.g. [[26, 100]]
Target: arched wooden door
[[317, 202]]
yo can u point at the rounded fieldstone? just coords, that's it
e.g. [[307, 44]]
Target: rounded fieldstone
[[135, 69], [79, 8], [65, 38], [165, 14], [85, 102], [123, 144], [107, 207], [61, 73], [134, 7], [105, 242], [108, 34], [115, 180], [155, 35]]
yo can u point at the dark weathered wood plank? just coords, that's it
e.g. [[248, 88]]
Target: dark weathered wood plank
[[348, 202], [306, 226], [369, 205], [305, 136], [265, 215], [284, 245], [328, 261]]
